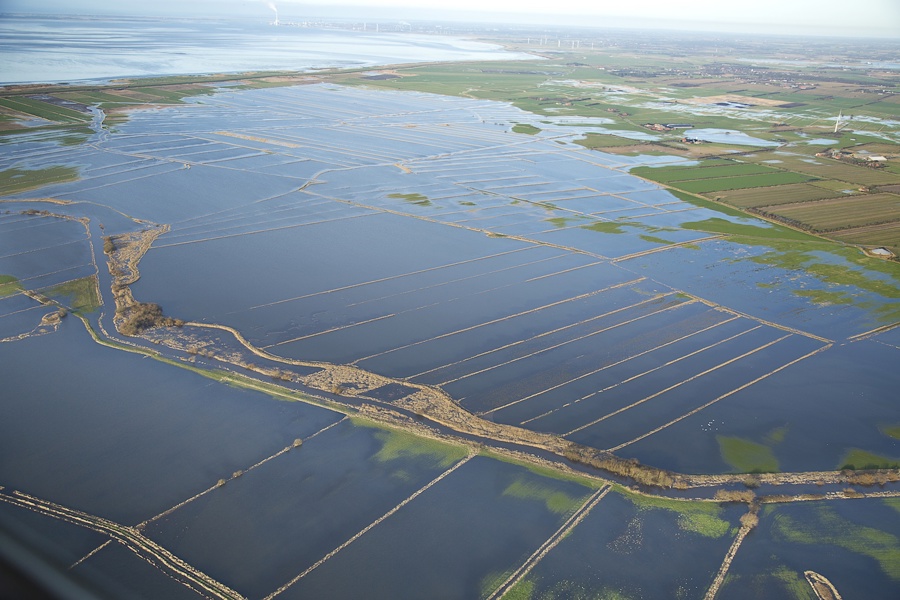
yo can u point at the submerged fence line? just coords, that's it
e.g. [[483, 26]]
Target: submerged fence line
[[131, 538], [370, 526], [680, 383], [722, 397], [551, 542], [624, 360]]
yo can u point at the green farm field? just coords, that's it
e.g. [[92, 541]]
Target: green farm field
[[877, 235], [710, 169], [842, 213], [827, 168], [717, 184], [44, 110], [781, 194]]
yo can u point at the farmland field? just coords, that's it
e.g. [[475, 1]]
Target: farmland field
[[709, 170], [842, 213], [782, 194], [874, 235], [826, 168], [718, 184]]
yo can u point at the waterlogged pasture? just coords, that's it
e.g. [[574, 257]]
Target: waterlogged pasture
[[124, 443], [538, 283], [624, 539], [41, 252], [267, 526], [460, 539], [854, 543], [532, 282], [788, 421]]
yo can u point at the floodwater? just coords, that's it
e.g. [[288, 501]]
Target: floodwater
[[514, 273], [47, 49], [458, 540], [537, 283], [307, 502], [853, 543], [729, 136], [125, 442], [610, 554]]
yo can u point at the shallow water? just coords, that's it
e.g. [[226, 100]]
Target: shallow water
[[457, 540], [45, 49], [267, 526], [136, 436], [854, 543], [623, 549]]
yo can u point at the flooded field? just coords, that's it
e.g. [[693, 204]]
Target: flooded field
[[606, 556], [392, 251], [853, 544]]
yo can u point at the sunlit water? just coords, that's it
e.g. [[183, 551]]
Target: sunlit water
[[40, 49]]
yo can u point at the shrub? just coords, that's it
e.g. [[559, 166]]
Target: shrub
[[749, 520], [752, 481], [734, 496], [146, 315]]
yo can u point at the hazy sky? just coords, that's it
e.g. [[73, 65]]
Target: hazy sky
[[827, 17]]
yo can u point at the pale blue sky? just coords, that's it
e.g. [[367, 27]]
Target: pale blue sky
[[879, 18]]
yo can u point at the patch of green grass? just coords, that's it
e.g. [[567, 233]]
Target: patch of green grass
[[724, 226], [398, 444], [776, 436], [827, 527], [526, 129], [845, 275], [556, 501], [745, 456], [655, 240], [605, 227], [414, 198], [824, 297], [892, 431], [793, 583], [9, 285], [892, 503], [18, 180], [545, 471], [603, 140], [702, 518], [859, 273], [80, 294], [523, 590], [861, 459], [491, 582], [563, 221]]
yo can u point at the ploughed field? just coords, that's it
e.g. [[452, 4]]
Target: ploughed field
[[537, 283]]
